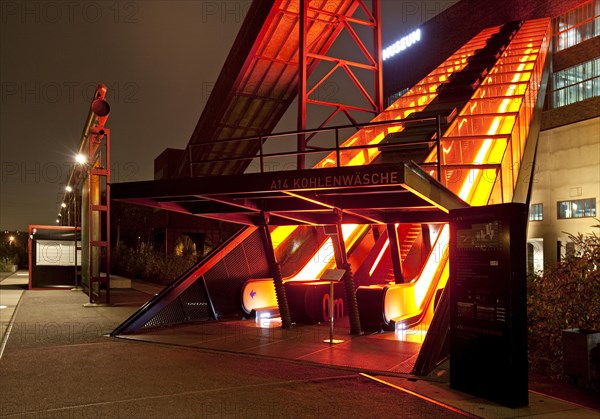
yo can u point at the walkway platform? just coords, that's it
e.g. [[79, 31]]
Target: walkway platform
[[57, 350], [375, 353]]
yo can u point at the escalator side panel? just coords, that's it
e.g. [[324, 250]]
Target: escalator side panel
[[300, 246]]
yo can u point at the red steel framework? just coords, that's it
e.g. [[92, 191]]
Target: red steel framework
[[90, 180], [310, 62], [285, 51], [98, 189]]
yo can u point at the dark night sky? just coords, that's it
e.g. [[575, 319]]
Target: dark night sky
[[159, 60]]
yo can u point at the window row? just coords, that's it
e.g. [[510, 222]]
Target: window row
[[576, 83], [578, 208], [577, 25]]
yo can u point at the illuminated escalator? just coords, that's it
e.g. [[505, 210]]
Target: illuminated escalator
[[485, 120], [398, 305]]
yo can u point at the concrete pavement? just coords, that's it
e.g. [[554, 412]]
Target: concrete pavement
[[59, 362], [12, 287]]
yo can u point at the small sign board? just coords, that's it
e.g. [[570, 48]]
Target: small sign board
[[333, 275]]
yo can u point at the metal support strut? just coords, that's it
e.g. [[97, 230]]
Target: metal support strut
[[341, 257], [275, 268]]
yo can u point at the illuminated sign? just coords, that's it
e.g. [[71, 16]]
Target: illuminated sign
[[332, 181], [401, 44], [56, 253]]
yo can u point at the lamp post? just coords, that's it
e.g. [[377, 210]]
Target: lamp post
[[81, 161], [91, 176]]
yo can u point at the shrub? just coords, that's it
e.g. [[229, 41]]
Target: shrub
[[565, 296], [7, 262], [144, 263]]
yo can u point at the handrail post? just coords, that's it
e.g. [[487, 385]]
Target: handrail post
[[438, 120], [260, 154], [337, 147]]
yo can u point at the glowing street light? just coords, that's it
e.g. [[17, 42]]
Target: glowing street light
[[68, 188], [63, 205], [80, 159], [57, 221]]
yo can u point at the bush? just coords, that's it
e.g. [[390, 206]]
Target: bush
[[7, 262], [566, 296], [144, 263]]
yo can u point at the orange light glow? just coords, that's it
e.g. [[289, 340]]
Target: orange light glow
[[483, 134], [279, 234], [509, 92], [379, 256], [258, 293], [432, 266], [324, 259], [404, 300], [404, 106]]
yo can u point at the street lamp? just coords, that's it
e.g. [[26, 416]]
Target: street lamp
[[80, 158], [68, 188]]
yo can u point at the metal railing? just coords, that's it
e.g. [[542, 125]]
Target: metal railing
[[365, 134]]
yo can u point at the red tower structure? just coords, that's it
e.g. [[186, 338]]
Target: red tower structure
[[325, 64]]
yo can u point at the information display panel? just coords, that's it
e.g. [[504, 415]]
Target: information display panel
[[488, 316]]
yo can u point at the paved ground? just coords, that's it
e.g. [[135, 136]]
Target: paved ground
[[58, 362]]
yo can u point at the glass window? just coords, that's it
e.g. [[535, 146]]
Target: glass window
[[536, 212], [578, 208], [576, 83], [577, 25]]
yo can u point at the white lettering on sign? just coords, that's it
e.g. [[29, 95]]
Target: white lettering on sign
[[401, 44], [334, 181]]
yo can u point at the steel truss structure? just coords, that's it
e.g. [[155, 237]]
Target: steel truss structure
[[284, 51], [343, 21]]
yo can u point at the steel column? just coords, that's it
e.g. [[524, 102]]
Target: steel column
[[341, 259], [275, 268], [302, 82], [98, 213], [395, 253]]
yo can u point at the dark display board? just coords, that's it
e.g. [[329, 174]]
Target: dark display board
[[488, 316]]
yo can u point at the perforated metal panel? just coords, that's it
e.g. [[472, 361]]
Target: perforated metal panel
[[171, 314], [218, 289], [217, 284], [224, 281], [194, 302], [192, 305]]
